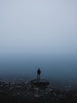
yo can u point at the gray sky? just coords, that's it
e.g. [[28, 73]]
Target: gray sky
[[38, 26]]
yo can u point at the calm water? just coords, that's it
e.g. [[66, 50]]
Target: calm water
[[56, 68]]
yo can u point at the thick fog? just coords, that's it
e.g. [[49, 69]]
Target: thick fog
[[38, 26], [38, 33]]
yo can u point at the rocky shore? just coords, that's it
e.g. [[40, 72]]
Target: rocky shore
[[21, 92]]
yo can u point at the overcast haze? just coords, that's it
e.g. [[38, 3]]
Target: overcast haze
[[38, 26], [38, 33]]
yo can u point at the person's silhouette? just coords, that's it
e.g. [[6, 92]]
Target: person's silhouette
[[38, 73]]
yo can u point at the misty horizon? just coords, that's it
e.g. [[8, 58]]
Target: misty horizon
[[59, 68]]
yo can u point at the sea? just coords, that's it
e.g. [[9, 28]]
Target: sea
[[59, 69]]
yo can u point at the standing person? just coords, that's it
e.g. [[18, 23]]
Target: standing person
[[38, 74]]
